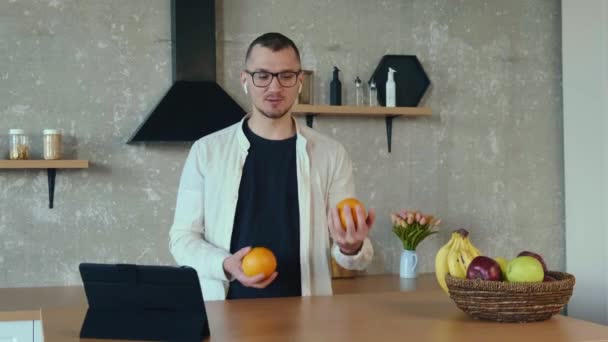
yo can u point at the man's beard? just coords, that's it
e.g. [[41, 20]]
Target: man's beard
[[271, 115]]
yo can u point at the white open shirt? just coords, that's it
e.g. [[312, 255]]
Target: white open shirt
[[206, 204]]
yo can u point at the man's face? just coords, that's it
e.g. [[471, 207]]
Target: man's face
[[276, 98]]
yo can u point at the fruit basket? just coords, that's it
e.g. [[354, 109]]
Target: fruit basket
[[511, 302]]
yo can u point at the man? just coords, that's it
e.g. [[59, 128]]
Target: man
[[267, 181]]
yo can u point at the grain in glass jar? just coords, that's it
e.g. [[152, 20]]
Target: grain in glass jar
[[51, 141], [19, 147]]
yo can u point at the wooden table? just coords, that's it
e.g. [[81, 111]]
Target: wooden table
[[373, 308]]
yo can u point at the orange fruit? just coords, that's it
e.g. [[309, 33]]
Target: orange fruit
[[352, 203], [259, 260]]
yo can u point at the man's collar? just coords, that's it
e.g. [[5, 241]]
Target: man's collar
[[244, 142]]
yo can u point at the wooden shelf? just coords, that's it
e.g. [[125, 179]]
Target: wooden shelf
[[51, 167], [387, 112], [304, 109], [44, 164]]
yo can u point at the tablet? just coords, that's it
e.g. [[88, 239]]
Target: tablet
[[138, 302]]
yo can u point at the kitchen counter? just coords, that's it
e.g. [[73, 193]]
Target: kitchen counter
[[382, 308]]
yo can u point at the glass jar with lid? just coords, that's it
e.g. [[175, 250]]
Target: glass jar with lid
[[19, 146], [51, 141]]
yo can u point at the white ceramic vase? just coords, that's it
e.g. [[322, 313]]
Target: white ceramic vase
[[408, 267]]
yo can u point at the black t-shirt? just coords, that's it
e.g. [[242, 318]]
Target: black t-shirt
[[267, 213]]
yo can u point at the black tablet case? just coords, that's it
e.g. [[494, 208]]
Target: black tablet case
[[133, 302]]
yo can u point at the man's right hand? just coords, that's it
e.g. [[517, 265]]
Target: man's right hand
[[232, 266]]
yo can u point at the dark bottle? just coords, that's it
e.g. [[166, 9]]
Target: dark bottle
[[335, 89]]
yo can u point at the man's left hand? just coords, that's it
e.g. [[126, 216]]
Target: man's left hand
[[351, 240]]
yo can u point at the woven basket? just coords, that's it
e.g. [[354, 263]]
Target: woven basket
[[511, 302]]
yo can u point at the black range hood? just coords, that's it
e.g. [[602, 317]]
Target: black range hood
[[195, 105]]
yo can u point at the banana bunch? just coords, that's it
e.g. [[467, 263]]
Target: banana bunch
[[454, 257]]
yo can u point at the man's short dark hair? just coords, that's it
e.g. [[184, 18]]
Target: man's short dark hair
[[273, 41]]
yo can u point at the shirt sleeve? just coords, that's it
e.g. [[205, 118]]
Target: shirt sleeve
[[342, 184], [186, 236], [358, 261]]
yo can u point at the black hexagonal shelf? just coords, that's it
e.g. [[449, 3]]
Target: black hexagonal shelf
[[411, 82]]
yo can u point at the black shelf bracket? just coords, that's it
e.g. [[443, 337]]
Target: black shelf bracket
[[51, 175], [389, 126], [309, 119], [389, 130]]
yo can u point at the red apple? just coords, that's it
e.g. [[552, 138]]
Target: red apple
[[485, 268], [534, 255], [549, 278]]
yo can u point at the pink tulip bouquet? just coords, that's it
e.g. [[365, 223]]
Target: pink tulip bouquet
[[411, 227]]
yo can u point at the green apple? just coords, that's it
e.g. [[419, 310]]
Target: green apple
[[525, 269], [503, 266]]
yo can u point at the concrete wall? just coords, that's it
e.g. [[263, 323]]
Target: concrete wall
[[489, 159]]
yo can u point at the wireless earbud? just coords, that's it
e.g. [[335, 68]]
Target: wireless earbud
[[245, 88], [300, 89]]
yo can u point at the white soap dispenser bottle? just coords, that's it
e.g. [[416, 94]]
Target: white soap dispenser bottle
[[390, 88]]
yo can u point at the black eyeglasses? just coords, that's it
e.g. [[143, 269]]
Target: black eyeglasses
[[264, 78]]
